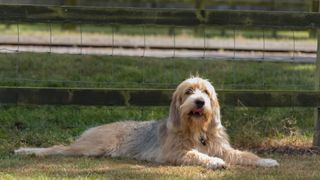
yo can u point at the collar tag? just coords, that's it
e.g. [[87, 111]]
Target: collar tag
[[203, 140]]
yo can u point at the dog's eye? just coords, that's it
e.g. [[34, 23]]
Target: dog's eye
[[206, 91], [189, 91]]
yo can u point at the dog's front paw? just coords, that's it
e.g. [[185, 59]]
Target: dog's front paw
[[216, 163], [267, 163]]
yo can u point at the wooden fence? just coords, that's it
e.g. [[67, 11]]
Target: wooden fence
[[151, 97], [170, 17]]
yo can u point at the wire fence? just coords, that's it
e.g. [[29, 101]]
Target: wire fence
[[255, 47], [232, 61]]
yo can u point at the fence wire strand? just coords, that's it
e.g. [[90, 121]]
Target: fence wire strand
[[174, 55], [234, 43], [81, 38], [50, 38], [263, 58], [18, 37], [204, 63], [18, 48], [263, 44], [143, 54], [112, 51], [174, 42], [293, 45], [233, 59], [144, 41], [204, 42], [112, 30]]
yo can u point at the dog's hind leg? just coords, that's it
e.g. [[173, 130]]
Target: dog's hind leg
[[54, 150], [72, 150]]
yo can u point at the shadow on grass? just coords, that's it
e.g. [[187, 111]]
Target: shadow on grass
[[73, 167]]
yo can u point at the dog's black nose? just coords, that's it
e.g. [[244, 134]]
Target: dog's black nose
[[199, 103]]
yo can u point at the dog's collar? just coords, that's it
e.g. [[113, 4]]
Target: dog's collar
[[203, 140]]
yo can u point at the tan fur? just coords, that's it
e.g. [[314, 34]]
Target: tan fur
[[180, 139]]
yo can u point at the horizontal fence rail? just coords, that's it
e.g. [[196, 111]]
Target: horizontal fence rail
[[157, 47], [151, 97], [171, 17]]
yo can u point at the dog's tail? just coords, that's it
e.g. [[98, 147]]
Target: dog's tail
[[54, 150]]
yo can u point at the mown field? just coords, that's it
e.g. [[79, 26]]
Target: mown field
[[31, 125]]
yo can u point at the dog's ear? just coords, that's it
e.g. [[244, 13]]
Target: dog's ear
[[215, 112], [173, 122], [215, 107]]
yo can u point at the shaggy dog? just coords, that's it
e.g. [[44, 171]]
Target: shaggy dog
[[191, 135]]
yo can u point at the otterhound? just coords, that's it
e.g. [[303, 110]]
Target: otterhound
[[191, 135]]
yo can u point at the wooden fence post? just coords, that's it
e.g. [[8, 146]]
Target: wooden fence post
[[314, 8], [316, 138]]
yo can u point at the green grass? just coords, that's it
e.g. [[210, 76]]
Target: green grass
[[52, 70], [155, 30], [30, 125]]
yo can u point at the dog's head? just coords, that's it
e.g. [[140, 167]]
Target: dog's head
[[194, 102]]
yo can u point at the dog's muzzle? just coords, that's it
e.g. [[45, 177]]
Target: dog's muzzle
[[198, 110]]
